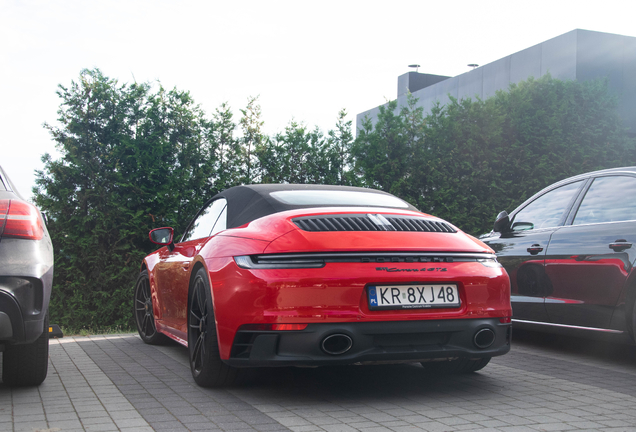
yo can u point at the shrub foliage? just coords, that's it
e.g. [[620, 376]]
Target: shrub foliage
[[135, 157], [470, 159]]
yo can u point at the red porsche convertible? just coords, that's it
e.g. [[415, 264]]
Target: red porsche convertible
[[310, 275]]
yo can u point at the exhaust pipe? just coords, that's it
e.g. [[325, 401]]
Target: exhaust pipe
[[336, 344], [484, 338]]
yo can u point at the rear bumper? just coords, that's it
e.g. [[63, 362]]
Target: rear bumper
[[23, 306], [25, 288], [371, 342]]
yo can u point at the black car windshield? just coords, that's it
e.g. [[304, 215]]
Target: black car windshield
[[337, 198]]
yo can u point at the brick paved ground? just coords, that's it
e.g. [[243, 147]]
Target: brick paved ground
[[116, 383]]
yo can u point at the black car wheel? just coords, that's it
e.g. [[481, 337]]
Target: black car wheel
[[144, 315], [27, 364], [458, 366], [207, 367], [630, 312]]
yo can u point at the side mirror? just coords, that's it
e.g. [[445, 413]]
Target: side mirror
[[162, 236], [502, 222]]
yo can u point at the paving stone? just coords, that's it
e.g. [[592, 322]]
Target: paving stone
[[173, 426], [324, 421], [119, 383], [409, 428], [305, 428], [516, 429]]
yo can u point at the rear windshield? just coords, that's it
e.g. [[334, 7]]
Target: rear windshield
[[337, 198]]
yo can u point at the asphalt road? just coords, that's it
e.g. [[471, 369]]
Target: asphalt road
[[117, 383]]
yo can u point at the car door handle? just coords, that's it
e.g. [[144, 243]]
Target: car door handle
[[620, 245], [535, 249], [185, 265]]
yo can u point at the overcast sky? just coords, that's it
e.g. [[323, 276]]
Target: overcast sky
[[304, 60]]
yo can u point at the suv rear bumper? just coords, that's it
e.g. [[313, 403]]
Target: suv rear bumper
[[23, 306]]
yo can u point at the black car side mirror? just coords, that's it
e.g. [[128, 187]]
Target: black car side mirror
[[162, 236], [502, 222]]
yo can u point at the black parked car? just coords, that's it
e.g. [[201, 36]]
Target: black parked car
[[569, 251], [26, 275]]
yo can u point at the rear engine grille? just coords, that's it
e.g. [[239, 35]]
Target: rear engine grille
[[371, 222]]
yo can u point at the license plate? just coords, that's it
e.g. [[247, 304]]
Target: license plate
[[413, 296]]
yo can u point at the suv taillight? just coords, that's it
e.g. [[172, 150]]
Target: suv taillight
[[21, 220]]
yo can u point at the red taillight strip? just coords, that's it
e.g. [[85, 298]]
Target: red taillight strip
[[22, 221], [4, 208], [289, 327]]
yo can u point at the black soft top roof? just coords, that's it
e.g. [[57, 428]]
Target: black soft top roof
[[250, 202]]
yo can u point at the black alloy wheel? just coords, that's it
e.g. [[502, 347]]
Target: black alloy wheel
[[144, 315], [630, 313], [208, 370], [197, 326]]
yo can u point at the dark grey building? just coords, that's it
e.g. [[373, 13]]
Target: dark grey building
[[577, 55]]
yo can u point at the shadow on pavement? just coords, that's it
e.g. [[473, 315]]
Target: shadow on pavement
[[611, 350]]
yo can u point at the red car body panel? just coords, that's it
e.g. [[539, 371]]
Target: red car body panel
[[333, 293], [336, 293]]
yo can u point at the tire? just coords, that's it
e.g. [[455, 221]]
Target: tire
[[208, 370], [630, 314], [27, 364], [458, 366], [144, 314]]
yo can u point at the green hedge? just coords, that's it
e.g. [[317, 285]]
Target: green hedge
[[135, 158], [470, 159]]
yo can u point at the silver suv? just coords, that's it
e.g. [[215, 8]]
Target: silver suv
[[26, 276]]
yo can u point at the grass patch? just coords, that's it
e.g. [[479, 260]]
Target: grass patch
[[89, 331]]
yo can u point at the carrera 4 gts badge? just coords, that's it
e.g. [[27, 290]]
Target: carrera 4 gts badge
[[425, 269]]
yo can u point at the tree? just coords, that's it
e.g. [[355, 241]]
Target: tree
[[226, 149], [337, 156], [252, 140], [135, 158], [388, 155], [470, 159], [463, 163], [379, 150], [296, 151], [131, 160], [303, 155]]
